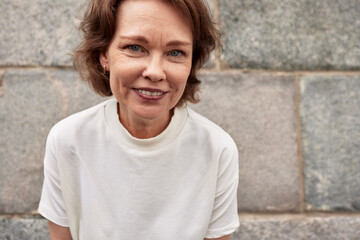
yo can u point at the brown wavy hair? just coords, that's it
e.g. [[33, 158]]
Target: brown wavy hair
[[99, 25]]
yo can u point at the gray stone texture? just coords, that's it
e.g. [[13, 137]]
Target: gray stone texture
[[31, 103], [38, 32], [251, 228], [299, 228], [2, 72], [210, 4], [23, 229], [257, 109], [43, 32], [291, 34], [211, 62], [330, 115]]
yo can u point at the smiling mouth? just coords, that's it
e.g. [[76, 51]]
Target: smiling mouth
[[150, 94]]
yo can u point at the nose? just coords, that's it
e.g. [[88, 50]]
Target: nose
[[154, 69]]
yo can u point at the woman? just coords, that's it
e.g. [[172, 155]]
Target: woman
[[141, 165]]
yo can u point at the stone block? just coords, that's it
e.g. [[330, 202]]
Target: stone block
[[23, 229], [38, 32], [330, 115], [291, 34], [31, 103], [298, 228], [258, 111]]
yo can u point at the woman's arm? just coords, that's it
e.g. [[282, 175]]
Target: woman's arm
[[227, 237], [58, 232]]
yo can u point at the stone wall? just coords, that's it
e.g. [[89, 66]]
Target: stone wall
[[286, 87]]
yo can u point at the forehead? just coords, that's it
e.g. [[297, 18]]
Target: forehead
[[154, 15], [160, 10]]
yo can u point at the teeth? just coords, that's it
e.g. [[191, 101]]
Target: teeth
[[148, 93]]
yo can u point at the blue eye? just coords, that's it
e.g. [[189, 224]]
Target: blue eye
[[175, 53], [134, 48]]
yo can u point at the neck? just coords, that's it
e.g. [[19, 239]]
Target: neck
[[143, 128]]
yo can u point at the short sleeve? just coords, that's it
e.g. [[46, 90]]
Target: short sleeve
[[51, 204], [224, 218]]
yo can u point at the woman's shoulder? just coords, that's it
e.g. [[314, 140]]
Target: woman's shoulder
[[80, 120]]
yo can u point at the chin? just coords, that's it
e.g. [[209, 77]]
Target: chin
[[151, 113]]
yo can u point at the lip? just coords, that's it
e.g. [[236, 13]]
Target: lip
[[148, 97]]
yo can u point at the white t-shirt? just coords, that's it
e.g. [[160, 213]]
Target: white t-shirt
[[103, 183]]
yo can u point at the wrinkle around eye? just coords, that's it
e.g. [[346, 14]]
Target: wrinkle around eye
[[179, 59], [128, 50]]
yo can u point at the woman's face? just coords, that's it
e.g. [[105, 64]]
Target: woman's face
[[149, 58]]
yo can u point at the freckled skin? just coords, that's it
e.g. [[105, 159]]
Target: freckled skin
[[151, 50]]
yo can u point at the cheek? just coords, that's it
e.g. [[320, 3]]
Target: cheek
[[121, 76], [181, 82], [123, 70], [178, 76], [179, 85], [113, 84], [118, 85]]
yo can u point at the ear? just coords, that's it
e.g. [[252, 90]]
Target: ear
[[103, 58]]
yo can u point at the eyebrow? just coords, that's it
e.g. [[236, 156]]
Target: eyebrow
[[136, 38], [178, 43], [142, 39]]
